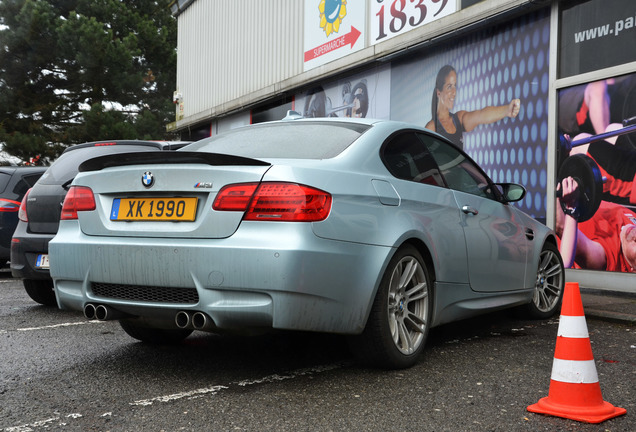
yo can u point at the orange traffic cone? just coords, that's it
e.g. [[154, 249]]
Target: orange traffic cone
[[575, 392]]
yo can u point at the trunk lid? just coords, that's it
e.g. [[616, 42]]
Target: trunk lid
[[160, 188]]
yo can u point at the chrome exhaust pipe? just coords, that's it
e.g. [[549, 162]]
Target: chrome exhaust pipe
[[89, 311], [106, 313], [182, 319], [201, 321]]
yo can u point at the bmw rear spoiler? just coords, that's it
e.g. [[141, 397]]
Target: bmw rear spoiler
[[160, 157]]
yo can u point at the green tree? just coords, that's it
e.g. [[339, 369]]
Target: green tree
[[81, 70]]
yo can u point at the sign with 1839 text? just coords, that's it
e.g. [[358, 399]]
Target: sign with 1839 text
[[390, 18]]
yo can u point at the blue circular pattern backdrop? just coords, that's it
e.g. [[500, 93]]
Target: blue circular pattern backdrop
[[493, 67]]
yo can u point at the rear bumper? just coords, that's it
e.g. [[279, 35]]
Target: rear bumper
[[284, 277], [8, 221], [25, 248]]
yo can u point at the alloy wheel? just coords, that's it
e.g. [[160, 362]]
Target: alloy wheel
[[549, 285], [408, 305]]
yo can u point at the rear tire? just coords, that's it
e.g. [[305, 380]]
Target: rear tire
[[548, 290], [40, 291], [398, 324], [153, 335]]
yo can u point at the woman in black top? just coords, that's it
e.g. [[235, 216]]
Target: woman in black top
[[453, 125]]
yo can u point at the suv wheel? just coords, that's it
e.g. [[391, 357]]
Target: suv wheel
[[41, 291]]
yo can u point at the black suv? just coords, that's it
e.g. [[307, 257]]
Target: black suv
[[40, 212], [14, 183]]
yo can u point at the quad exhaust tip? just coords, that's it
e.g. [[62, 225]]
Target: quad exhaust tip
[[201, 321], [196, 320], [182, 319], [89, 311], [101, 312]]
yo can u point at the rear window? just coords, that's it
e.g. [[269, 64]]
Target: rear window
[[65, 168], [302, 140]]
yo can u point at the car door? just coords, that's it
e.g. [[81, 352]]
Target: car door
[[496, 243], [427, 204]]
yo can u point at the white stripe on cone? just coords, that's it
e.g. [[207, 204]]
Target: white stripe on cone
[[574, 371], [573, 327]]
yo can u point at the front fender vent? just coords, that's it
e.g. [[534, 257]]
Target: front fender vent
[[145, 293], [530, 234]]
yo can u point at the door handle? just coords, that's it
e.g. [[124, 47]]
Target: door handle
[[468, 209]]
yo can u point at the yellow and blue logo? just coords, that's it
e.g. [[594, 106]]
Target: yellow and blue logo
[[331, 14]]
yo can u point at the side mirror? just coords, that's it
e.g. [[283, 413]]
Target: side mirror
[[511, 192]]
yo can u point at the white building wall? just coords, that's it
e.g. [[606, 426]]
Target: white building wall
[[230, 49]]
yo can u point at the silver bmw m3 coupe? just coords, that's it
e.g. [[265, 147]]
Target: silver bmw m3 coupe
[[375, 229]]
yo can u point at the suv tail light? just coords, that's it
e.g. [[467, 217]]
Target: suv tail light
[[78, 198], [22, 213], [275, 201]]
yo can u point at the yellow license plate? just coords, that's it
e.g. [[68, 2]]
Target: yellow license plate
[[153, 209]]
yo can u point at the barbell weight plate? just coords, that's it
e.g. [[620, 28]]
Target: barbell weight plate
[[587, 174]]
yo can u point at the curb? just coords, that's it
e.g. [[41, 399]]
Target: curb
[[616, 317]]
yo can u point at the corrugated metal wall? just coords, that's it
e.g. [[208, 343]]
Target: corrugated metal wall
[[230, 49]]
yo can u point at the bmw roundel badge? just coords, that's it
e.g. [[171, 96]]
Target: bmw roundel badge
[[147, 179]]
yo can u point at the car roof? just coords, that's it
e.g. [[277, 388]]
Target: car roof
[[163, 145], [11, 169], [64, 168], [278, 139]]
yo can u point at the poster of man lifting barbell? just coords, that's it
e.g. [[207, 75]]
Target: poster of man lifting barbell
[[361, 95], [596, 180]]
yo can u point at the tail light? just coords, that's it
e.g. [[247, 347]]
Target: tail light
[[22, 213], [78, 198], [9, 206], [275, 201], [234, 197]]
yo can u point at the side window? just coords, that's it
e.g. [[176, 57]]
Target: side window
[[25, 183], [460, 173], [407, 158], [32, 179], [20, 187]]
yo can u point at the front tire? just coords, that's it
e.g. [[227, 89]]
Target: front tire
[[398, 324], [550, 282], [40, 291], [153, 335]]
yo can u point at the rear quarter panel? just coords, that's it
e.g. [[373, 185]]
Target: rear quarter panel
[[360, 214]]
